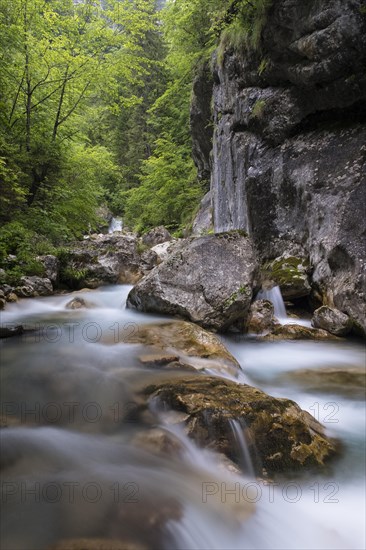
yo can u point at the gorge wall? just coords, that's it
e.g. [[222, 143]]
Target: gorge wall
[[288, 158]]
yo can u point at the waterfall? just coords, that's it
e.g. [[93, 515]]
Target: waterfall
[[245, 460], [115, 225], [274, 295]]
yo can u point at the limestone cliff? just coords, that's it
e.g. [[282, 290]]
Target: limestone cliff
[[289, 143]]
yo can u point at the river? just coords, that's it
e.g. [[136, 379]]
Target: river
[[74, 469]]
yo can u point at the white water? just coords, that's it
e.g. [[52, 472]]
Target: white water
[[274, 295], [115, 225], [207, 506]]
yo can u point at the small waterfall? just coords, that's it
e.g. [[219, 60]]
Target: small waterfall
[[115, 225], [274, 295], [245, 461]]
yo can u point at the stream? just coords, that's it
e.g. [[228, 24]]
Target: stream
[[74, 468]]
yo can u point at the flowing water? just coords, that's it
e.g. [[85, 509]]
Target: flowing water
[[115, 225], [74, 467], [274, 295]]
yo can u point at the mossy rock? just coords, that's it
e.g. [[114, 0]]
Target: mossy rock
[[280, 436], [290, 273]]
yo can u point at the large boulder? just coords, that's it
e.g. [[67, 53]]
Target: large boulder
[[207, 280], [332, 320], [288, 158], [280, 435]]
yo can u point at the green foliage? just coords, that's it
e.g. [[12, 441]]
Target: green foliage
[[245, 29], [168, 191]]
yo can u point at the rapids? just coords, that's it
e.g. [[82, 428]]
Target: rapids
[[74, 469]]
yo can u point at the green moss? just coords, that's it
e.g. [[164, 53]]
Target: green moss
[[258, 109], [283, 271]]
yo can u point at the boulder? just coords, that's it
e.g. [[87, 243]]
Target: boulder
[[156, 236], [261, 317], [51, 266], [332, 320], [11, 297], [185, 342], [34, 286], [207, 280], [280, 436]]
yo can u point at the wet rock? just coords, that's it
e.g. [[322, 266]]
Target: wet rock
[[8, 332], [261, 317], [12, 297], [279, 434], [160, 442], [157, 359], [332, 320], [207, 280], [34, 286], [192, 345], [96, 544], [297, 332], [51, 266], [155, 236], [290, 274], [345, 381], [79, 303]]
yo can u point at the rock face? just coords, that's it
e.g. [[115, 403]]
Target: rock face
[[288, 159], [106, 259], [332, 320], [280, 435], [203, 222], [207, 280], [201, 121]]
